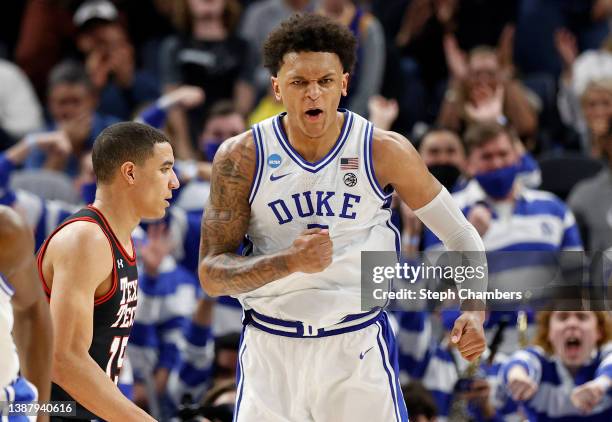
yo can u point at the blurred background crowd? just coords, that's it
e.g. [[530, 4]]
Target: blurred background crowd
[[509, 103]]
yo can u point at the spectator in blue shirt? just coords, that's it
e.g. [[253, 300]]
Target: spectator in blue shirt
[[510, 217], [507, 215], [567, 375], [71, 103]]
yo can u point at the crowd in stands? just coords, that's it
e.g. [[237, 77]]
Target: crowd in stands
[[509, 103]]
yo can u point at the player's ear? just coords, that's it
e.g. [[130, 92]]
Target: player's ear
[[345, 81], [276, 88], [127, 172]]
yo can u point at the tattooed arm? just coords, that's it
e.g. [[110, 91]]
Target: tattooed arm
[[225, 223]]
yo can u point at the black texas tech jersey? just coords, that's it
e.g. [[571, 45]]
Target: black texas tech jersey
[[113, 315]]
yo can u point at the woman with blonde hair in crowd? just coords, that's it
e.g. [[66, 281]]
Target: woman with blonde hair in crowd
[[567, 374], [596, 107]]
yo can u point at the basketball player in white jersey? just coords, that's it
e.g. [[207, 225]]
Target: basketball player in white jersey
[[310, 188], [25, 312]]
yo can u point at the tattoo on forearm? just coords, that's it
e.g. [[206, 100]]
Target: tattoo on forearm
[[225, 223], [242, 274]]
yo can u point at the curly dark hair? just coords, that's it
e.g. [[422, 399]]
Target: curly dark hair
[[309, 33]]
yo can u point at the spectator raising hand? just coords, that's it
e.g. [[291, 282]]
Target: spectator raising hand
[[521, 386], [487, 104], [55, 143], [567, 48], [383, 111], [456, 59], [588, 395], [481, 90], [156, 248]]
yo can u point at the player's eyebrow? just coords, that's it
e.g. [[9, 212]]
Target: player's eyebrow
[[301, 78], [167, 163]]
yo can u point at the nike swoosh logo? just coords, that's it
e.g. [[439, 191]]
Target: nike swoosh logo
[[362, 354], [273, 177]]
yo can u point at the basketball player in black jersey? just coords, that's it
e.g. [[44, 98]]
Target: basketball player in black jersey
[[88, 269]]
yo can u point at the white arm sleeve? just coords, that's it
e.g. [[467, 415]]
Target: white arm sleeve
[[444, 218]]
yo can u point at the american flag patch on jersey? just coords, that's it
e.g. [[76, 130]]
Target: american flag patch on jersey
[[349, 163]]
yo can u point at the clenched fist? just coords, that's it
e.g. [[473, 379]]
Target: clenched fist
[[468, 335], [311, 251]]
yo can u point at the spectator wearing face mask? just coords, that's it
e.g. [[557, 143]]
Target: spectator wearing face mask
[[509, 216], [444, 155], [223, 122], [567, 374]]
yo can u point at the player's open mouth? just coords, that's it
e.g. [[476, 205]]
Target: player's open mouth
[[314, 114]]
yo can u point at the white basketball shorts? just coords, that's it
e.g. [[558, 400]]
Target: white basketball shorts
[[347, 372]]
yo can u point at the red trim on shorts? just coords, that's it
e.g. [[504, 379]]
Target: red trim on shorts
[[131, 259], [43, 249]]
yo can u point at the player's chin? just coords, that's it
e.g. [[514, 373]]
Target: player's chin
[[157, 213]]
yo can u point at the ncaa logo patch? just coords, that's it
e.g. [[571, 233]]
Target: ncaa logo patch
[[274, 160], [350, 179]]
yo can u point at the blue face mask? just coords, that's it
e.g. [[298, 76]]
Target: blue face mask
[[88, 192], [210, 148], [498, 183]]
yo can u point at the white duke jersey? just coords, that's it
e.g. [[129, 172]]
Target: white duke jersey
[[9, 361], [339, 192]]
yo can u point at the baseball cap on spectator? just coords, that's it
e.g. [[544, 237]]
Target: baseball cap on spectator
[[95, 10]]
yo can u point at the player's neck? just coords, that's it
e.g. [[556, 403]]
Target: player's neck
[[313, 149], [119, 213]]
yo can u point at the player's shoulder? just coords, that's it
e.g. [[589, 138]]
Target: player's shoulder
[[389, 143], [15, 236], [80, 240], [239, 146], [388, 136], [78, 249], [11, 224], [237, 155]]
